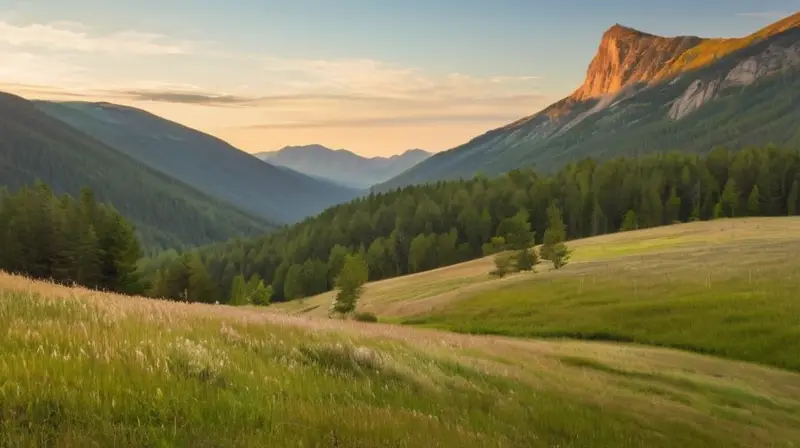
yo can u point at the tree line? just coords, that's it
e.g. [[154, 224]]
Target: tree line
[[58, 238], [424, 227]]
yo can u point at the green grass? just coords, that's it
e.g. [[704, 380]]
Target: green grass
[[737, 300], [86, 369]]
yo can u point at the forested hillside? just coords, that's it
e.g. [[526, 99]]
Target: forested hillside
[[203, 162], [44, 236], [646, 94], [423, 227], [166, 212]]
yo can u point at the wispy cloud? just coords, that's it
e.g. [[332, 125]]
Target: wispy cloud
[[430, 119], [765, 14], [241, 95], [70, 36]]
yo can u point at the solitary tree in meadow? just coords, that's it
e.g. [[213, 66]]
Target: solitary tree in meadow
[[350, 284], [556, 231]]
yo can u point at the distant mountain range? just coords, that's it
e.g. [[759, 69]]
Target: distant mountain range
[[203, 162], [342, 166], [166, 211], [646, 93]]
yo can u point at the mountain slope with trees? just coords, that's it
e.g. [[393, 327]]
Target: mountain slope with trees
[[646, 93], [342, 166], [420, 228], [206, 163], [166, 212], [68, 241]]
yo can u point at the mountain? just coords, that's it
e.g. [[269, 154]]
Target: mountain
[[646, 93], [342, 166], [166, 212], [204, 162]]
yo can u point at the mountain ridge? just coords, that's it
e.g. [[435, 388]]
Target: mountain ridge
[[167, 213], [637, 86], [205, 162], [343, 166]]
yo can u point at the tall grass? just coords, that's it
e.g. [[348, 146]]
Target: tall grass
[[80, 368], [740, 301]]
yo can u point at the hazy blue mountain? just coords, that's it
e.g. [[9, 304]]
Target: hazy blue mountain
[[645, 93], [202, 161], [342, 166], [166, 211]]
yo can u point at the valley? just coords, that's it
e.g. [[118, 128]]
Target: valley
[[619, 269], [262, 375]]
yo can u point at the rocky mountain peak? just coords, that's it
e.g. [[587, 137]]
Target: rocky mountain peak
[[618, 31], [628, 56]]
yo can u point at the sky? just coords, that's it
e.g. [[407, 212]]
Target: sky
[[374, 76]]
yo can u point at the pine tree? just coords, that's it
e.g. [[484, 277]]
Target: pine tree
[[629, 222], [239, 294], [730, 199], [350, 284], [201, 288], [555, 233], [293, 286], [793, 199], [672, 208], [527, 259], [560, 255], [754, 202]]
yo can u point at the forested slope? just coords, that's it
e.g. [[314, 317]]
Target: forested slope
[[166, 212], [206, 163], [645, 94], [424, 227]]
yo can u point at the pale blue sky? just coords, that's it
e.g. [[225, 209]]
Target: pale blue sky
[[373, 76]]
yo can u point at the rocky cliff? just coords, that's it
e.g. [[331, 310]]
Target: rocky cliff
[[627, 56], [643, 93]]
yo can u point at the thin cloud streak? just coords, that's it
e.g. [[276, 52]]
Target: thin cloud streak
[[75, 37], [765, 14], [387, 121]]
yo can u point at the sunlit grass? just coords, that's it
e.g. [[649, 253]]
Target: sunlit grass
[[86, 369], [739, 300]]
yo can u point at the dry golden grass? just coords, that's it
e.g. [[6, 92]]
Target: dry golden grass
[[417, 294], [683, 399]]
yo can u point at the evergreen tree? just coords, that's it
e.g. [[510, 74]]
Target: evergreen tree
[[560, 255], [629, 222], [555, 233], [672, 208], [201, 288], [527, 259], [730, 199], [335, 263], [754, 202], [239, 294], [793, 201], [350, 284], [293, 286]]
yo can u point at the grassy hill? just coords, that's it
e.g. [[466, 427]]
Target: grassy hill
[[206, 163], [81, 368], [725, 287], [721, 92], [166, 212]]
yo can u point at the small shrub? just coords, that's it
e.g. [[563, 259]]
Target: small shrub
[[504, 265], [560, 255], [365, 317]]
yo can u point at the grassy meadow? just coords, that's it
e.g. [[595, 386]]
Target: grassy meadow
[[735, 294], [81, 368]]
